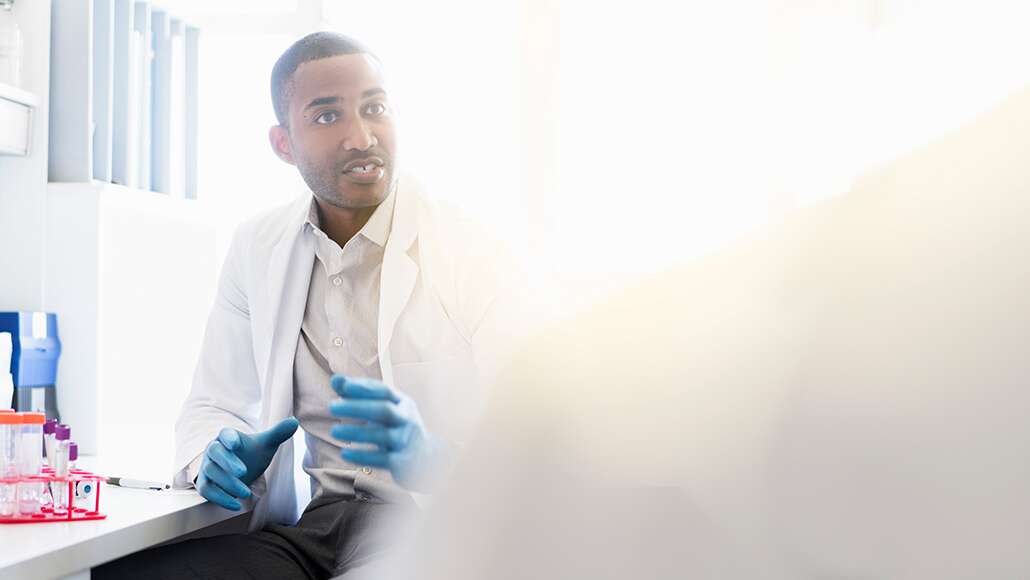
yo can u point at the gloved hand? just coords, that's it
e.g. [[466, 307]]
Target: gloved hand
[[234, 460], [393, 424]]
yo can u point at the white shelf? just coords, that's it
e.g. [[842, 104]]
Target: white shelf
[[16, 111], [115, 195], [19, 96]]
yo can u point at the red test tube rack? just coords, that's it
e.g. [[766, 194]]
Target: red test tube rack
[[44, 498]]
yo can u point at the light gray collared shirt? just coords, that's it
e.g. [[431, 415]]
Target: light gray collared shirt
[[338, 335]]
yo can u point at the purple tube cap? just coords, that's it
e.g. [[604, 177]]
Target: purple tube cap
[[49, 426], [63, 432], [73, 451]]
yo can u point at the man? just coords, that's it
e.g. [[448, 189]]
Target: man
[[363, 314]]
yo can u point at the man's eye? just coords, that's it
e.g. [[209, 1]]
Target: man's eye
[[375, 109], [327, 118]]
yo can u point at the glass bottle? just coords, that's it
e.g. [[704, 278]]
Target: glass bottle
[[10, 45]]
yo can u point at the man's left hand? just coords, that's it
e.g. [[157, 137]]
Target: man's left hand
[[393, 424]]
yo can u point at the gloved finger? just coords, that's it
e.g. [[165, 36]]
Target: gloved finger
[[393, 439], [211, 492], [363, 388], [282, 431], [382, 412], [229, 483], [369, 458], [230, 438], [225, 459]]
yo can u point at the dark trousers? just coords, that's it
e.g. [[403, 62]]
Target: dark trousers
[[333, 536]]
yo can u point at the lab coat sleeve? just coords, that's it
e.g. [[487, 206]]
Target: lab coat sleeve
[[493, 331], [226, 390], [501, 303], [511, 305], [505, 321], [193, 470]]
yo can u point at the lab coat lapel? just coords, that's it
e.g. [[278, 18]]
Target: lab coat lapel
[[289, 274], [399, 274]]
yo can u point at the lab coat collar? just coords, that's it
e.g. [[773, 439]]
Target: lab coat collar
[[376, 229], [400, 271], [289, 276]]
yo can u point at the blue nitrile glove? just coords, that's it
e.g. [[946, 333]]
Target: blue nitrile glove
[[393, 424], [234, 460]]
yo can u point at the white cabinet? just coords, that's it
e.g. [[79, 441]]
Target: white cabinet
[[131, 275]]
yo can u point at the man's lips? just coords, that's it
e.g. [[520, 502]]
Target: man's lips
[[365, 171], [363, 162]]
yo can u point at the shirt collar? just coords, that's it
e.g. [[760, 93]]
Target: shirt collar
[[376, 229]]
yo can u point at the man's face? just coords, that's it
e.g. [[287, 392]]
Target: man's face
[[340, 131]]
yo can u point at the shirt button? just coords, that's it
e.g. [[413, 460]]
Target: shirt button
[[337, 341], [337, 281], [366, 470]]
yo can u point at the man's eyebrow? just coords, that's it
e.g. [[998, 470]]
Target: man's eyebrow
[[330, 100], [322, 101]]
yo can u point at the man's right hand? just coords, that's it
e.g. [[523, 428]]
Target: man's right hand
[[234, 460]]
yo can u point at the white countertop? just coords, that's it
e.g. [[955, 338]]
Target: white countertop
[[136, 519]]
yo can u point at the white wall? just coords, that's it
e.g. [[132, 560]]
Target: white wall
[[157, 284], [73, 294], [23, 179], [681, 127]]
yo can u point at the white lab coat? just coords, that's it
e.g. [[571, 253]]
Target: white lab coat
[[443, 320]]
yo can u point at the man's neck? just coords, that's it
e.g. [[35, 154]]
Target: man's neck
[[342, 224]]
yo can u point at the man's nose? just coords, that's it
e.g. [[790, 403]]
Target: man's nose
[[358, 137]]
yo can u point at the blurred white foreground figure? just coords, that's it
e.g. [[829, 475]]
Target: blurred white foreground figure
[[844, 397]]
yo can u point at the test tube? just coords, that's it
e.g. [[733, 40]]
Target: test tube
[[62, 432], [30, 459], [30, 444], [10, 432], [59, 487], [84, 489], [62, 435], [49, 439]]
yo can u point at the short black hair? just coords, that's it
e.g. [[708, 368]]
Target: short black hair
[[314, 46]]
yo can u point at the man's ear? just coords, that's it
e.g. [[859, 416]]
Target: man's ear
[[279, 138]]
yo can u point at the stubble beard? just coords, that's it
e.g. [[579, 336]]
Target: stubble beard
[[324, 184]]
